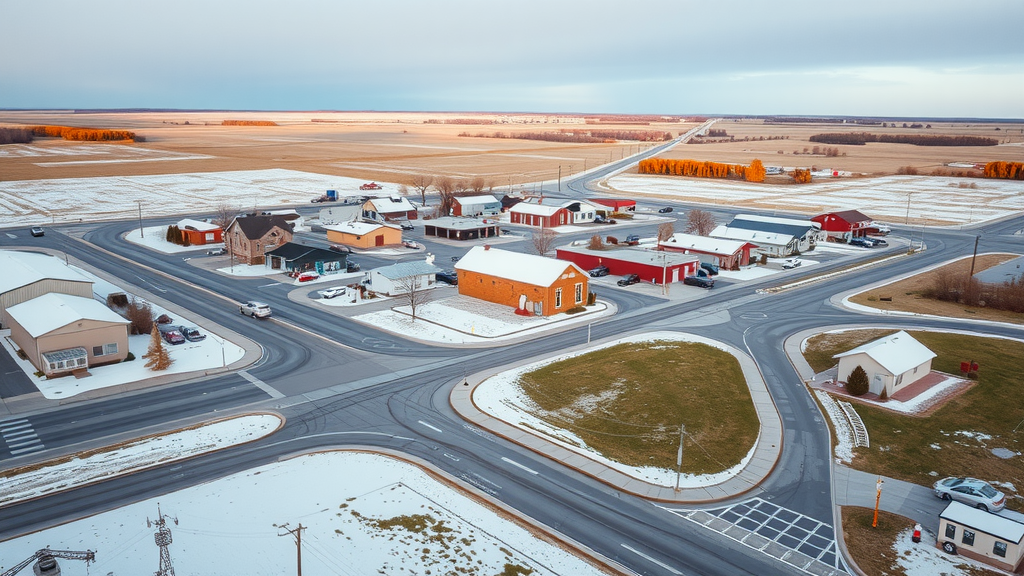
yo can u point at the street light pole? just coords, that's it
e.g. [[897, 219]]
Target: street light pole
[[679, 455], [142, 233], [559, 177]]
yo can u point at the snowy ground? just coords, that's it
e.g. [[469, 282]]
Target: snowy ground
[[461, 319], [932, 198], [155, 238], [844, 434], [97, 154], [361, 514], [27, 202], [924, 559], [502, 397], [133, 457]]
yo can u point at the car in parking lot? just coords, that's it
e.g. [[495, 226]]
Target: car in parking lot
[[170, 334], [448, 277], [255, 309], [410, 244], [217, 251], [862, 242], [789, 263], [665, 210], [329, 293], [308, 276], [876, 242], [699, 281], [972, 492], [36, 231], [632, 240], [191, 333], [602, 220], [629, 279], [340, 248], [601, 270], [711, 268], [351, 266], [406, 225]]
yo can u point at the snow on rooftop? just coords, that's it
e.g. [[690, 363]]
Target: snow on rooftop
[[357, 228], [535, 270], [466, 200], [777, 220], [897, 352], [24, 268], [197, 225], [705, 244], [391, 204], [48, 312], [994, 524], [755, 236], [535, 209]]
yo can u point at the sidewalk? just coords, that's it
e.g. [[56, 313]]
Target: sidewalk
[[855, 488], [766, 451]]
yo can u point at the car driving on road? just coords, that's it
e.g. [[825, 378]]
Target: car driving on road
[[255, 309], [36, 231], [791, 263], [217, 251], [665, 210], [972, 492]]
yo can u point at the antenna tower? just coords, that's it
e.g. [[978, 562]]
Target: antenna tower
[[163, 540]]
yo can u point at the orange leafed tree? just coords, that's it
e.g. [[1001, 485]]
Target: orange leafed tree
[[697, 169], [82, 134], [755, 172], [801, 176], [1005, 170]]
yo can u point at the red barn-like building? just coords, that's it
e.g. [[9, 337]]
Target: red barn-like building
[[199, 232], [616, 204], [845, 224], [650, 265]]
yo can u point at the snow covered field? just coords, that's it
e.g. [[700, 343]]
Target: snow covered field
[[933, 199], [361, 514], [27, 202], [502, 397]]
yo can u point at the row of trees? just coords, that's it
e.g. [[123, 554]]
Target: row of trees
[[448, 188], [15, 136], [753, 173], [248, 123], [84, 134], [801, 176], [175, 236], [580, 136], [861, 138], [960, 288], [1005, 170]]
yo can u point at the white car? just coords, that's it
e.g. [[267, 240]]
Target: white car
[[332, 292], [255, 309], [791, 263]]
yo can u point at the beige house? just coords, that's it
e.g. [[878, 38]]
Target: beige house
[[28, 275], [61, 333], [996, 539], [364, 234], [892, 363], [249, 237]]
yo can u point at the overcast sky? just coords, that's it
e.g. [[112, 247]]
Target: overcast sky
[[933, 58]]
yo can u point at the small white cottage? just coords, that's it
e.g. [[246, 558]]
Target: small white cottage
[[402, 278], [892, 363], [996, 539]]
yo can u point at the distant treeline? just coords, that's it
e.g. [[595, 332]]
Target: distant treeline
[[84, 134], [460, 121], [248, 123], [861, 138], [581, 136], [15, 136], [753, 173], [628, 119], [1005, 170]]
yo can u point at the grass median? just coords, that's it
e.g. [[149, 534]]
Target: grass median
[[628, 401]]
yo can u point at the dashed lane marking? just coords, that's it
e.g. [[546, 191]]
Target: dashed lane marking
[[518, 465], [20, 437], [652, 560]]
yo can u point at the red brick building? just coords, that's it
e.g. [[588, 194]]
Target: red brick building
[[542, 286], [199, 232]]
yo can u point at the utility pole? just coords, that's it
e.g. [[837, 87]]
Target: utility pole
[[163, 540], [297, 532], [559, 177], [973, 258], [679, 456], [141, 232]]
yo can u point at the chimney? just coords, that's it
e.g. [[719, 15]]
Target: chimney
[[487, 246]]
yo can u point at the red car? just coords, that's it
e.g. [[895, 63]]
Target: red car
[[308, 276], [173, 337]]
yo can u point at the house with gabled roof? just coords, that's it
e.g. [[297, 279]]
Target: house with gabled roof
[[724, 253], [198, 232], [551, 212], [402, 277], [388, 209], [892, 363], [996, 539], [844, 224], [532, 284], [28, 275], [249, 237], [362, 234], [776, 237], [476, 206], [294, 257]]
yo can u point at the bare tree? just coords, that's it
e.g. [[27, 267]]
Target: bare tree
[[422, 182], [140, 314], [477, 185], [461, 186], [224, 215], [543, 240], [665, 231], [445, 187], [700, 222], [414, 293], [403, 190]]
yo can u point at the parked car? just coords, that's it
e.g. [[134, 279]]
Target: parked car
[[406, 225], [410, 244], [602, 220], [36, 231], [971, 491], [448, 277], [351, 266], [340, 248], [791, 263], [217, 251], [170, 334], [332, 292], [255, 309], [876, 242], [629, 279], [711, 268], [700, 281], [632, 239], [882, 228], [308, 276], [191, 334], [862, 242], [601, 270], [665, 210]]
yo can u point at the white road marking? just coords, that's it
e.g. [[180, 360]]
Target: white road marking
[[518, 465], [261, 384], [271, 284], [9, 235], [646, 557], [434, 428]]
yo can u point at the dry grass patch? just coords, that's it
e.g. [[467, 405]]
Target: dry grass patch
[[872, 548], [628, 401], [956, 439], [906, 294]]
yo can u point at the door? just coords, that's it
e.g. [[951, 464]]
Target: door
[[675, 275], [877, 384], [378, 240]]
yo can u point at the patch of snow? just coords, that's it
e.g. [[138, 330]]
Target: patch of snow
[[155, 238], [936, 447], [244, 270], [502, 397], [230, 526], [979, 436], [925, 559], [844, 433]]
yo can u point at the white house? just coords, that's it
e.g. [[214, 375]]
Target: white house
[[776, 237], [476, 206], [996, 539], [390, 208], [399, 278], [892, 363]]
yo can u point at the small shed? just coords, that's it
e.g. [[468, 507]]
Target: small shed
[[722, 252], [199, 232], [652, 266], [60, 333], [390, 208], [892, 363], [476, 206], [295, 257], [995, 539], [455, 228], [364, 234], [539, 285], [403, 277], [845, 224]]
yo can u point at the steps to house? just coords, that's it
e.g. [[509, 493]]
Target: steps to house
[[860, 432]]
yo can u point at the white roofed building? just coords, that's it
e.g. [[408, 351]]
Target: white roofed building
[[724, 253], [892, 363], [551, 212], [28, 275], [403, 277], [996, 539], [476, 206], [390, 208], [529, 284]]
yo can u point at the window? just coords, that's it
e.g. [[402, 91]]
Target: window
[[97, 350], [104, 350], [968, 537], [579, 292], [999, 549], [558, 298], [950, 531]]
